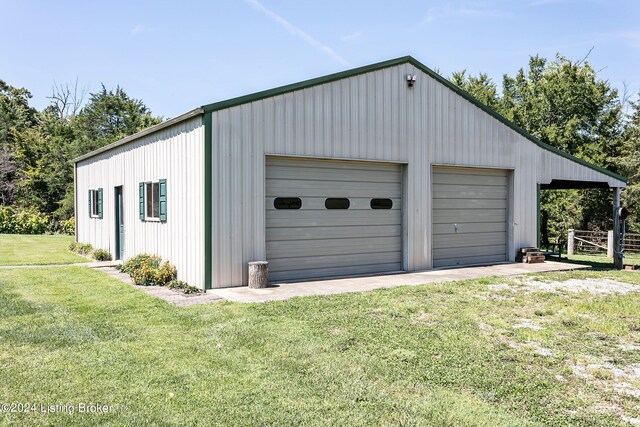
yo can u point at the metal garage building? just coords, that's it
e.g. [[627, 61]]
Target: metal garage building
[[387, 167]]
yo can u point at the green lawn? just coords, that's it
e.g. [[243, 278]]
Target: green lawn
[[447, 354], [601, 261], [17, 249]]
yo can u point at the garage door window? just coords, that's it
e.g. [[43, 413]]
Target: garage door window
[[287, 203], [337, 203], [381, 204]]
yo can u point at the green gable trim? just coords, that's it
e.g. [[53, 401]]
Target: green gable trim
[[208, 209], [390, 63], [305, 84]]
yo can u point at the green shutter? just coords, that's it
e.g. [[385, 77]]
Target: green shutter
[[142, 201], [100, 203], [89, 203], [163, 200]]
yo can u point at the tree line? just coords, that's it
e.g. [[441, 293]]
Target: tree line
[[560, 101], [37, 148]]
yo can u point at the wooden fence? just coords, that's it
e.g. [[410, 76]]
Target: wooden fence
[[601, 242]]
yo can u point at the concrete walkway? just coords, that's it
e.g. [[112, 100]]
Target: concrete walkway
[[283, 291], [173, 297]]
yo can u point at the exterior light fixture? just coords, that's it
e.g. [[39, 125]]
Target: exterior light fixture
[[411, 79]]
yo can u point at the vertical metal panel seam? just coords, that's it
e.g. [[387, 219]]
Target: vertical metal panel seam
[[75, 199], [208, 174]]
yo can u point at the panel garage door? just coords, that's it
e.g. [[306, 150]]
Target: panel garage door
[[469, 216], [307, 240]]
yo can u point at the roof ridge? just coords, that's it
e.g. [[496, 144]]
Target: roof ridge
[[207, 108]]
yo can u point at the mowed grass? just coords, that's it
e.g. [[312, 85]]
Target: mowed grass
[[438, 354], [17, 249], [601, 261]]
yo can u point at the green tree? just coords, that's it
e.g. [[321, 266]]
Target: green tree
[[108, 116], [630, 165], [45, 151], [15, 117], [481, 87]]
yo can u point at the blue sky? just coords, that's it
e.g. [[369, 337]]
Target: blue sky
[[179, 55]]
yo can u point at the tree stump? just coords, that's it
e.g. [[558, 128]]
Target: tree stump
[[258, 274]]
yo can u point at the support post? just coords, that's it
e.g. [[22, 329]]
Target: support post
[[617, 250], [570, 241], [610, 244]]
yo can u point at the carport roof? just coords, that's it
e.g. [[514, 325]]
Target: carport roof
[[346, 74]]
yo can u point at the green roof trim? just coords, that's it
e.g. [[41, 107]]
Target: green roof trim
[[398, 61]]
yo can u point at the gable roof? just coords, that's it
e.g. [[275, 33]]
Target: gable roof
[[352, 73], [398, 61]]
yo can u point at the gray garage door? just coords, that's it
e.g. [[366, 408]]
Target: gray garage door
[[469, 216], [332, 218]]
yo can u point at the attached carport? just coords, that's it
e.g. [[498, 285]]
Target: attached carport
[[564, 184]]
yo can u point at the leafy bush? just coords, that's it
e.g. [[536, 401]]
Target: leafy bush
[[26, 221], [80, 248], [166, 273], [179, 285], [68, 226], [101, 255], [137, 261], [149, 270], [6, 220]]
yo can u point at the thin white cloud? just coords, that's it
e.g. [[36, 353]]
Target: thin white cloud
[[139, 29], [297, 32], [464, 9], [543, 2], [632, 37], [351, 37]]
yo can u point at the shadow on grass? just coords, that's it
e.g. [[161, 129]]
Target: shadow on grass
[[594, 264]]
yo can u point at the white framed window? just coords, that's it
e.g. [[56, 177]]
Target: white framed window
[[152, 201], [95, 203]]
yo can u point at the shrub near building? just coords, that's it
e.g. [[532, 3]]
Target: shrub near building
[[149, 270]]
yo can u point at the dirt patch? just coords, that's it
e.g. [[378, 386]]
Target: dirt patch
[[621, 379], [592, 286], [531, 346], [527, 324]]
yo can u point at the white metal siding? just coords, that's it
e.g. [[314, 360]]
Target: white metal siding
[[373, 116], [470, 213], [175, 153], [317, 242]]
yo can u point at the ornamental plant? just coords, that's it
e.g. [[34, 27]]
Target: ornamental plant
[[101, 255], [137, 261], [149, 270]]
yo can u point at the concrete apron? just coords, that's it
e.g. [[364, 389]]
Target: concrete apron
[[283, 291]]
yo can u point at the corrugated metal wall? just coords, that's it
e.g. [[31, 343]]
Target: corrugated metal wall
[[175, 153], [373, 116]]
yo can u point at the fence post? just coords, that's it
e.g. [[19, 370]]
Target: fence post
[[610, 244], [570, 241]]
